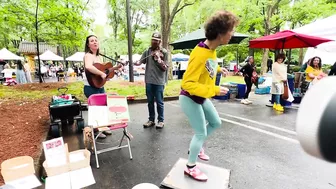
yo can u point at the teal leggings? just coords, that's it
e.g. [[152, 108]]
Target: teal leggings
[[197, 115]]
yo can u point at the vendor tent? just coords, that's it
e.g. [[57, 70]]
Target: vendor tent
[[321, 28], [77, 57], [179, 57], [7, 55], [192, 39], [48, 55]]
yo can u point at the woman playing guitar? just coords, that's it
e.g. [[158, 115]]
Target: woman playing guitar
[[91, 57]]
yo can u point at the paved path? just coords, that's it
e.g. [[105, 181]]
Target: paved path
[[256, 143]]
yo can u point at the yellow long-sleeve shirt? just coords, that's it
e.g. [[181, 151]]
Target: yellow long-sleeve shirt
[[200, 76]]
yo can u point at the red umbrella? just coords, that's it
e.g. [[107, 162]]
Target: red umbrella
[[287, 40]]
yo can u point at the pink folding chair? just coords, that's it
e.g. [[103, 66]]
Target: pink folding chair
[[101, 100]]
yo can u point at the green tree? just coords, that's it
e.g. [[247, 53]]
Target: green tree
[[141, 20], [60, 22]]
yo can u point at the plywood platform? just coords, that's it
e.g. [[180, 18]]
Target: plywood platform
[[219, 178]]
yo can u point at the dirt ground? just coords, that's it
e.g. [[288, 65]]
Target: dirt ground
[[24, 124], [39, 86], [135, 83]]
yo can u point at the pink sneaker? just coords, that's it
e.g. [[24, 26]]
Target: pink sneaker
[[196, 174], [202, 155]]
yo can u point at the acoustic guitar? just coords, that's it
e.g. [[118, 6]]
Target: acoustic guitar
[[96, 80]]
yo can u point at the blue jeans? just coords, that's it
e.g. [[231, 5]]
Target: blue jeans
[[155, 92], [88, 90], [277, 98]]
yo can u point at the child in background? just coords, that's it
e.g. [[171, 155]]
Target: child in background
[[8, 75]]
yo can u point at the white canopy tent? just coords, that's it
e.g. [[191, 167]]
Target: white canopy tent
[[77, 57], [7, 55], [321, 28], [48, 55]]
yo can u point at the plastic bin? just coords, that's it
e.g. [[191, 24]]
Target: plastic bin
[[232, 87], [241, 90], [264, 90], [225, 97]]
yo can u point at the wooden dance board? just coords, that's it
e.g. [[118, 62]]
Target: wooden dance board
[[218, 178]]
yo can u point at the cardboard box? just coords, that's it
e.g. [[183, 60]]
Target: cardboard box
[[19, 172], [17, 167], [69, 166], [76, 173]]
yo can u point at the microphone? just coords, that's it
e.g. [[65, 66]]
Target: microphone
[[316, 120]]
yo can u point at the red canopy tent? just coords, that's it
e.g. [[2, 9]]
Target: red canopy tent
[[287, 40]]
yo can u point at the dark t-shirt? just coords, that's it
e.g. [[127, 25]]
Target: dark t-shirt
[[269, 62], [247, 70]]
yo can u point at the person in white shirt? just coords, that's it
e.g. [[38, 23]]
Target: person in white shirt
[[8, 75], [279, 80], [27, 72]]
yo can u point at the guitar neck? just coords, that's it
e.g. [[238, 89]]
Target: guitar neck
[[113, 60]]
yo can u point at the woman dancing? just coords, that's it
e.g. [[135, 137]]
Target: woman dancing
[[198, 85]]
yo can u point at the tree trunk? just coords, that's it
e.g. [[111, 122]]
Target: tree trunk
[[251, 52], [166, 22], [37, 44], [165, 31], [301, 56], [264, 61], [267, 24]]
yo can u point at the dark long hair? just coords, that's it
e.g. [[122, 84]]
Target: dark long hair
[[312, 62], [87, 48], [19, 65]]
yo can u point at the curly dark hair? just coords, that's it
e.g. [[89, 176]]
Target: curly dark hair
[[220, 23], [311, 63]]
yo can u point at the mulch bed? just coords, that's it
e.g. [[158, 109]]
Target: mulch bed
[[23, 125], [135, 83], [39, 86]]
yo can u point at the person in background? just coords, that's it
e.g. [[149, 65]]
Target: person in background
[[305, 65], [269, 64], [279, 80], [198, 85], [247, 72], [60, 73], [27, 72], [314, 70], [8, 75], [20, 73], [81, 71], [53, 70], [92, 56], [332, 70], [156, 76]]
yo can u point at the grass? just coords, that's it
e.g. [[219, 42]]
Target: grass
[[233, 79], [47, 90]]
